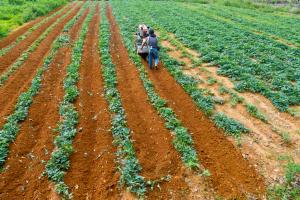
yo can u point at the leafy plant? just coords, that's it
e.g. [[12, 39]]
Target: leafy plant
[[59, 162], [229, 125], [128, 164]]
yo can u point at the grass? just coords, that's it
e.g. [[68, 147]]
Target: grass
[[290, 188], [14, 13]]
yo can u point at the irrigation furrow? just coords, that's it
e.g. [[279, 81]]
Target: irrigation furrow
[[21, 79], [14, 35], [232, 176], [18, 51], [59, 162], [152, 140], [3, 51], [92, 173]]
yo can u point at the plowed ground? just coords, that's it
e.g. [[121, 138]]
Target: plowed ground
[[92, 173]]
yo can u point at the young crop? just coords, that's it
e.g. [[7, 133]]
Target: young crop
[[11, 127], [59, 162], [182, 141], [189, 84], [241, 54], [252, 109], [229, 125], [128, 165], [18, 63]]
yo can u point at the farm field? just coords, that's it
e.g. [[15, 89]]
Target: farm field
[[82, 116]]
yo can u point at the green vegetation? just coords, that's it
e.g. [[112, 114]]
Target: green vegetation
[[182, 141], [128, 164], [59, 161], [290, 188], [24, 56], [189, 84], [229, 125], [252, 109], [13, 13], [254, 62], [3, 51], [11, 127]]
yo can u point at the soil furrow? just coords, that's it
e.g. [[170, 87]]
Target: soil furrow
[[24, 28], [14, 53], [92, 174], [21, 80], [34, 143], [152, 141], [232, 175]]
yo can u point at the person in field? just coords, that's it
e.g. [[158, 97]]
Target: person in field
[[152, 43]]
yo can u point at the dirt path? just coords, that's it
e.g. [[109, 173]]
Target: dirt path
[[21, 80], [232, 175], [11, 56], [152, 141], [92, 174], [34, 143], [25, 27]]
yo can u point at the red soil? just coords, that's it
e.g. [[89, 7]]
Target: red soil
[[93, 173], [21, 79], [10, 57], [152, 141], [232, 175], [34, 142], [24, 28]]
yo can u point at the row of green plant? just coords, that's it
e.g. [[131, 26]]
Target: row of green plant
[[127, 162], [24, 56], [254, 62], [59, 162], [11, 127], [14, 13], [273, 26], [189, 84], [182, 141], [6, 49]]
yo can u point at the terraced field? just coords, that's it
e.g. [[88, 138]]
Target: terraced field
[[83, 117]]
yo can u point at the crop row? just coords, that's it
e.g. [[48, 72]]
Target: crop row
[[24, 56], [11, 127], [242, 56], [59, 162], [188, 83], [128, 164], [6, 49], [276, 26], [182, 141]]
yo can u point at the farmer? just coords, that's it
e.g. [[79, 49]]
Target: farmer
[[152, 43]]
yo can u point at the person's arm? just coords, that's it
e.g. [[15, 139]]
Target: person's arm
[[144, 42]]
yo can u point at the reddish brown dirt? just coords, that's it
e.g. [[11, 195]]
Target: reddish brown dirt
[[34, 143], [21, 80], [92, 174], [263, 145], [14, 53], [232, 176], [24, 28], [152, 141]]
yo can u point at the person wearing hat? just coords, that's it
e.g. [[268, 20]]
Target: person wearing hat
[[152, 43]]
